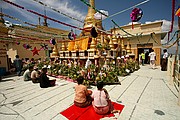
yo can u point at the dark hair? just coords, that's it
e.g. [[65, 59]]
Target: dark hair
[[165, 50], [45, 68], [30, 67], [80, 79], [100, 85], [152, 50], [17, 56]]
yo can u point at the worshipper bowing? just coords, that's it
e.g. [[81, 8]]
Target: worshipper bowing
[[102, 103], [44, 80], [82, 94]]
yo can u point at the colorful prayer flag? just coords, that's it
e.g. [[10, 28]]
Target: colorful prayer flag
[[178, 12]]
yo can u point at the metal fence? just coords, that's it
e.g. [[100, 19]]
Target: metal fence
[[173, 70]]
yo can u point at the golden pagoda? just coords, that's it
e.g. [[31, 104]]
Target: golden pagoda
[[90, 21]]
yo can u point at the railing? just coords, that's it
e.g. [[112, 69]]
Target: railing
[[173, 69]]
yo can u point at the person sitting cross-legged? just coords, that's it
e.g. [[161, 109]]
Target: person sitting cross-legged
[[27, 74], [82, 94], [44, 80], [102, 104], [35, 75]]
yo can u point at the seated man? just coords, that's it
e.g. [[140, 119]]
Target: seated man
[[35, 75], [27, 74], [44, 80]]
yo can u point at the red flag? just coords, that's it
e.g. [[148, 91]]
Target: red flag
[[178, 12]]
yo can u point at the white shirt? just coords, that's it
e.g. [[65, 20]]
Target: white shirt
[[165, 55], [27, 75], [152, 55], [100, 98]]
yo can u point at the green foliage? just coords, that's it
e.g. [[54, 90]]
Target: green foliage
[[108, 75]]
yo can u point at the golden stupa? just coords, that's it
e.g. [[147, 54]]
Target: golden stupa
[[90, 21]]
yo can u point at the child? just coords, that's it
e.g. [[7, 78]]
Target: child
[[102, 103], [82, 94]]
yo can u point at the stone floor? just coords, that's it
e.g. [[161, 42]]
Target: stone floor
[[146, 94]]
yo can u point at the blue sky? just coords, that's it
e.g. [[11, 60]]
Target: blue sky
[[154, 10]]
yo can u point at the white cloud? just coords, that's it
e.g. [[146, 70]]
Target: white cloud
[[166, 25], [14, 10], [65, 6]]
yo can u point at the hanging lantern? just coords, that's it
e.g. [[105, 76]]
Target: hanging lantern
[[136, 14], [53, 41], [27, 46], [71, 35], [93, 32], [17, 43], [44, 47]]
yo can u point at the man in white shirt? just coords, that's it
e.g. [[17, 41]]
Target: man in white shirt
[[35, 75], [152, 56], [27, 74], [164, 60]]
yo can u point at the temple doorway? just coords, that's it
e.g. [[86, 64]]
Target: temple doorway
[[146, 51]]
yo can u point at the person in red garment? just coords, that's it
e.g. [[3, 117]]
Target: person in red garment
[[102, 103], [82, 94]]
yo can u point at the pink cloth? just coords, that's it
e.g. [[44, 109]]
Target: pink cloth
[[100, 98], [102, 103]]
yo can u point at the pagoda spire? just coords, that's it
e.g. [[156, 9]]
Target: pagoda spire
[[89, 20]]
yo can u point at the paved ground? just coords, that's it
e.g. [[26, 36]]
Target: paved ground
[[145, 93]]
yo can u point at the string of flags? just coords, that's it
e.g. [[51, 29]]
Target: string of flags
[[40, 2], [136, 15]]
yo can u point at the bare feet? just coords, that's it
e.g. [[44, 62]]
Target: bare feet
[[115, 111]]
